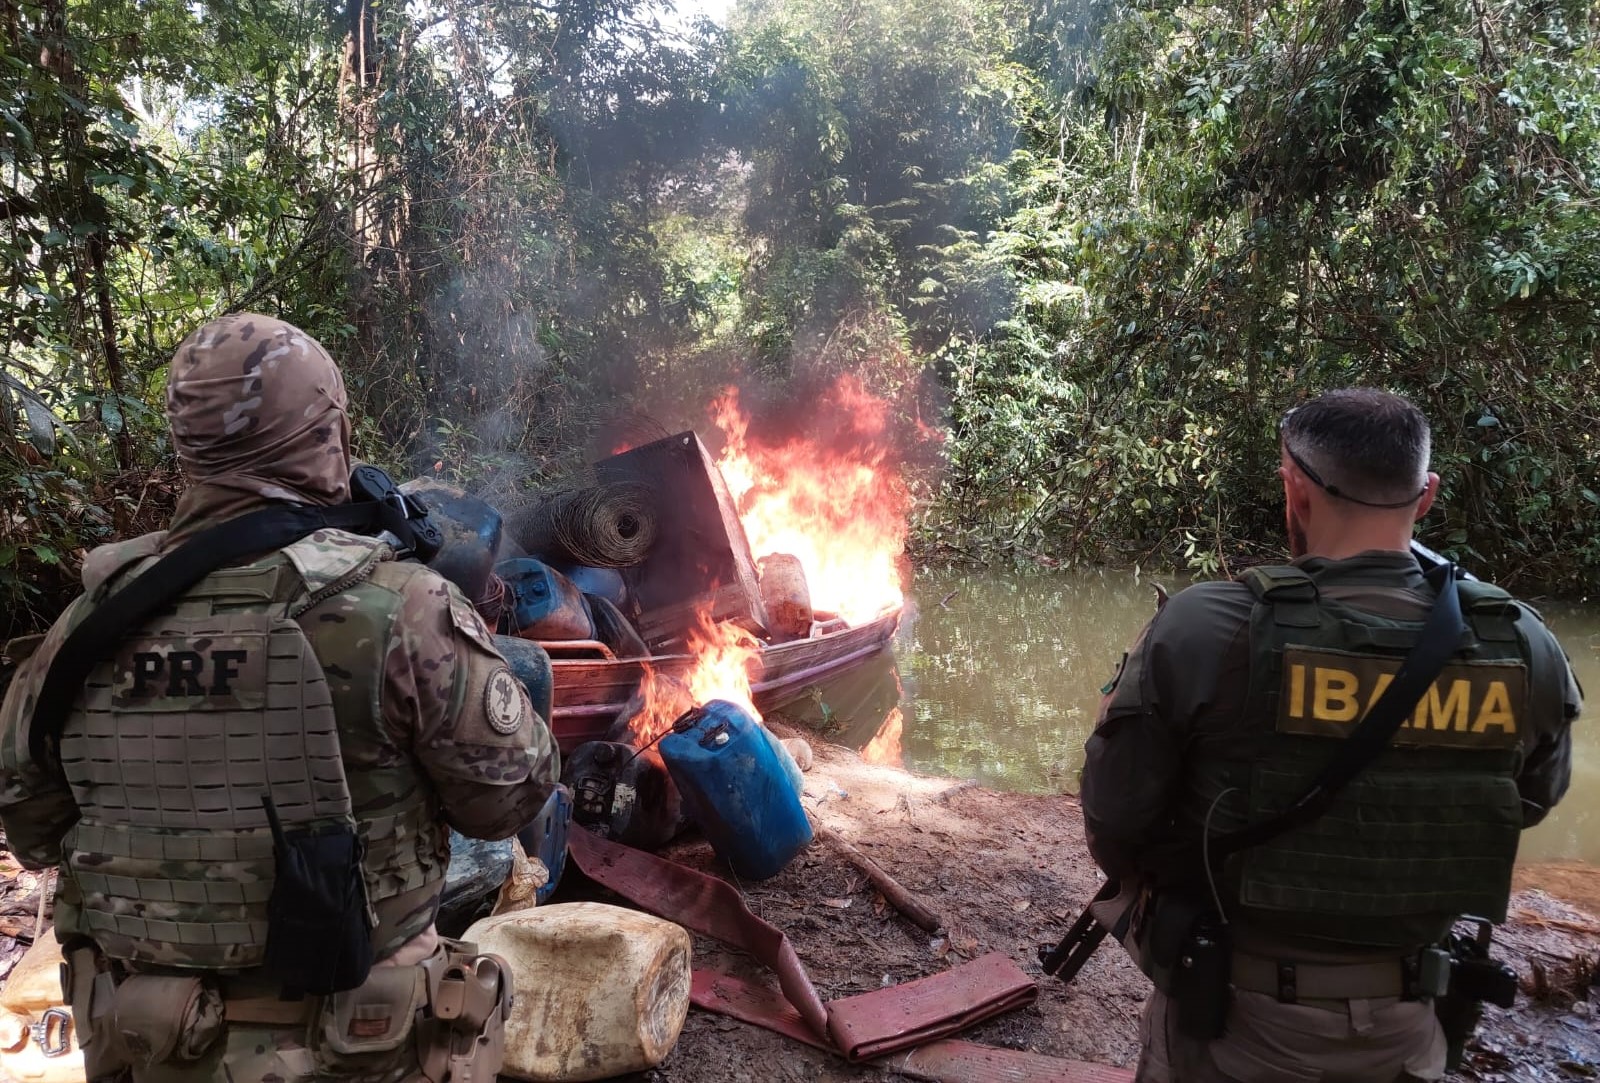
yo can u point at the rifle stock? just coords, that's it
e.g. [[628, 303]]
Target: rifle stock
[[1082, 940], [1430, 560]]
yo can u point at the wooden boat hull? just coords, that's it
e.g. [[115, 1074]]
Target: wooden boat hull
[[591, 692]]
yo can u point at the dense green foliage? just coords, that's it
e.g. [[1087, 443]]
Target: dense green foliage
[[1265, 200], [1102, 245]]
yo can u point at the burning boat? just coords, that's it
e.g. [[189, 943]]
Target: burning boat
[[593, 689], [657, 611], [752, 576]]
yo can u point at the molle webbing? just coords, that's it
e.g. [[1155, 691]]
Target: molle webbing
[[176, 766], [1426, 832], [177, 737], [201, 763], [1418, 834]]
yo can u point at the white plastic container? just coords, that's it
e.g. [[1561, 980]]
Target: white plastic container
[[35, 982], [600, 990]]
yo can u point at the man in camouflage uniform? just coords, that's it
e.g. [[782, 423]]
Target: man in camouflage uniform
[[153, 814], [1236, 693]]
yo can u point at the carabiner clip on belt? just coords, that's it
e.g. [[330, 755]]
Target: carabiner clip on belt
[[58, 1020]]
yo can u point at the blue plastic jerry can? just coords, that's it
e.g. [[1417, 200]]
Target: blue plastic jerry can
[[737, 787], [544, 604], [546, 838], [530, 665], [606, 582]]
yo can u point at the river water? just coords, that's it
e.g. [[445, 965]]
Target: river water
[[997, 677]]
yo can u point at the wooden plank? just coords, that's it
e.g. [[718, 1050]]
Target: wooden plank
[[730, 603]]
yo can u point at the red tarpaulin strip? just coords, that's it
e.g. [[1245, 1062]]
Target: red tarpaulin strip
[[862, 1027], [751, 1003], [945, 1061], [703, 904], [910, 1014]]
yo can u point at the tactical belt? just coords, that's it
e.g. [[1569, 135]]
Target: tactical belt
[[1291, 981], [267, 1011]]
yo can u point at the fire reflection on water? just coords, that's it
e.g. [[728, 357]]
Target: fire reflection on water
[[885, 746]]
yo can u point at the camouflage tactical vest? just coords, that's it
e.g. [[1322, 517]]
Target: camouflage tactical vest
[[226, 695], [1428, 831]]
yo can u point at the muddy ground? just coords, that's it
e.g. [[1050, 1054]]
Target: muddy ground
[[1008, 872]]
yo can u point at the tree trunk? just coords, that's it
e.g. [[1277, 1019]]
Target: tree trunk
[[357, 79], [93, 301]]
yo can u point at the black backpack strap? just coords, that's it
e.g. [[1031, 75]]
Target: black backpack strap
[[1441, 637], [108, 623]]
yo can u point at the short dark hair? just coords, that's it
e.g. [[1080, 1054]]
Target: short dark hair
[[1368, 445]]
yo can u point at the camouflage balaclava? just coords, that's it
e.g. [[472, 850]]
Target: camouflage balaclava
[[257, 407]]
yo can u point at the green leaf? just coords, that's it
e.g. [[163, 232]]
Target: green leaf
[[42, 421], [111, 414]]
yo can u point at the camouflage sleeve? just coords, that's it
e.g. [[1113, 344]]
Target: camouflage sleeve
[[1556, 700], [450, 697], [36, 805]]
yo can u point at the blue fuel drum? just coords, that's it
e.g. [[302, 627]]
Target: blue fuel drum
[[739, 786], [544, 603], [472, 530], [606, 582]]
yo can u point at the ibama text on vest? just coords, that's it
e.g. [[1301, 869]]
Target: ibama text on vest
[[1469, 705]]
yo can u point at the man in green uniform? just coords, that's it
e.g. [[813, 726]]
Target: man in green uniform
[[353, 689], [1235, 695]]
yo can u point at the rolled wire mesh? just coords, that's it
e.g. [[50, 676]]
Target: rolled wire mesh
[[603, 526]]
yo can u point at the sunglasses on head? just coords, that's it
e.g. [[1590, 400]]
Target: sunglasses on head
[[1334, 490]]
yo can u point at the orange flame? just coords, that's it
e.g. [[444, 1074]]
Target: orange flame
[[832, 501], [725, 656], [885, 747], [837, 506]]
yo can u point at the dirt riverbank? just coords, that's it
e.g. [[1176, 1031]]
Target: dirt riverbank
[[1008, 872]]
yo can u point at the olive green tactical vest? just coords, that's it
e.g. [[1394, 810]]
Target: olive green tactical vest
[[1428, 831], [203, 709]]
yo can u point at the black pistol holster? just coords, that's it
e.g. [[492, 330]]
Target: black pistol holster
[[1187, 951], [1474, 979]]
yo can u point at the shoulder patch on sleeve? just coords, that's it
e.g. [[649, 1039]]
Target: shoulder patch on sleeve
[[505, 703]]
